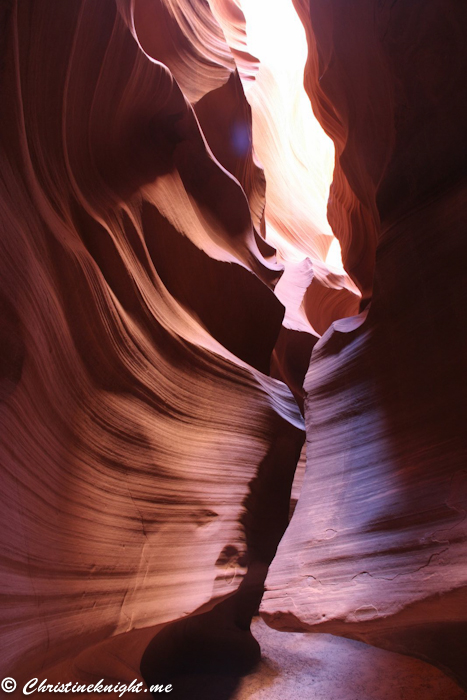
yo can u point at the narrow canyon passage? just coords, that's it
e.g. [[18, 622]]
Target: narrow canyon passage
[[232, 241]]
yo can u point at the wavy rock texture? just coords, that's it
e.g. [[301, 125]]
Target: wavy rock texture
[[376, 549], [138, 323], [297, 158], [230, 16], [148, 439], [354, 108], [158, 313]]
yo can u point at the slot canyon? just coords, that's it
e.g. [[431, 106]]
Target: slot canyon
[[233, 348]]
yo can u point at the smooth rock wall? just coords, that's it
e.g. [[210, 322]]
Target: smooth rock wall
[[376, 549], [138, 323]]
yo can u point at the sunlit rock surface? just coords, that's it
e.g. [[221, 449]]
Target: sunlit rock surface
[[298, 160], [376, 549], [167, 270], [138, 323]]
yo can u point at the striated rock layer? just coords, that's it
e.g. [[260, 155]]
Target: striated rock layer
[[154, 344], [377, 547], [140, 431]]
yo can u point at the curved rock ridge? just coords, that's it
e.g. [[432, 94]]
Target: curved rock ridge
[[355, 110], [185, 36], [165, 277], [298, 158], [138, 418], [225, 118], [230, 16], [376, 548]]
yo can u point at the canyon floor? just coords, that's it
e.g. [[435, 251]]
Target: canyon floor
[[324, 667]]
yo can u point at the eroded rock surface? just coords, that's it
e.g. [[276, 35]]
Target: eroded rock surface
[[161, 294], [377, 546], [137, 411]]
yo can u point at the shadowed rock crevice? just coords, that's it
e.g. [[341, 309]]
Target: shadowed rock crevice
[[385, 403], [204, 655], [174, 313]]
